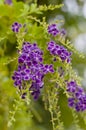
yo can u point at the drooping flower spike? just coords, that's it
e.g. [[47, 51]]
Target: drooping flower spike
[[57, 50], [31, 68], [77, 99]]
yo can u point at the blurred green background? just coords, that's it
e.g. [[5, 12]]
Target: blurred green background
[[73, 14]]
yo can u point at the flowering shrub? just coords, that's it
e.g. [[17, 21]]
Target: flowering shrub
[[43, 60]]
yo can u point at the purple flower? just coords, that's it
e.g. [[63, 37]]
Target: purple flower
[[48, 68], [16, 26], [52, 29], [71, 86], [36, 94]]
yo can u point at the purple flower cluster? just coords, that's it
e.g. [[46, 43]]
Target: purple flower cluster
[[62, 52], [31, 68], [77, 99], [16, 26], [52, 29]]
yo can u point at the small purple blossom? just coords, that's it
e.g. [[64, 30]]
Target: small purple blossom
[[77, 99], [54, 59], [52, 29], [23, 96], [63, 32], [71, 86], [16, 26], [60, 51], [48, 68], [71, 102]]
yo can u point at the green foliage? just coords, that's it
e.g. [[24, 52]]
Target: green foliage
[[68, 44], [50, 7]]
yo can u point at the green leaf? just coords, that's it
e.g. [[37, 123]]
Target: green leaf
[[1, 2]]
